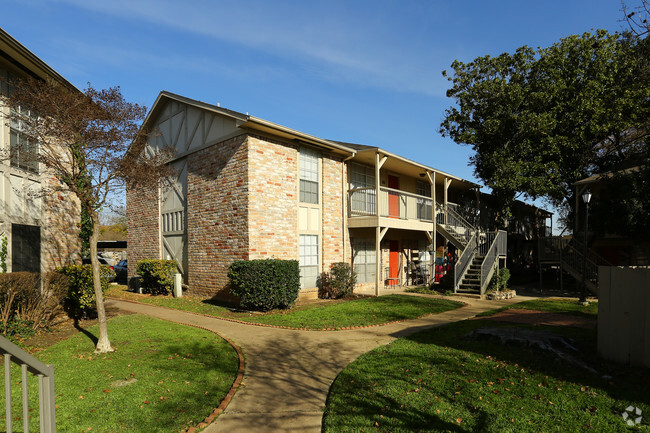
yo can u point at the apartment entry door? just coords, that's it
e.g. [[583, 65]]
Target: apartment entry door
[[393, 197]]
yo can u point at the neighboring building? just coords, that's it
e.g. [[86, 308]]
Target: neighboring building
[[247, 188], [41, 230]]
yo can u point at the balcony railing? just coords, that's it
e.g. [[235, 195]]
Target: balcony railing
[[393, 203]]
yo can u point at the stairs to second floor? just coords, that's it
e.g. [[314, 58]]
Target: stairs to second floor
[[471, 281], [569, 254]]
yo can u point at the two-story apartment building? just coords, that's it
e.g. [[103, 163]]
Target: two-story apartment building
[[247, 188], [41, 230]]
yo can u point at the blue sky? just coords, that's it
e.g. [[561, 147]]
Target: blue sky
[[367, 72]]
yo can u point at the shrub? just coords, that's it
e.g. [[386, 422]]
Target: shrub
[[338, 282], [80, 298], [24, 307], [499, 280], [157, 276], [265, 284]]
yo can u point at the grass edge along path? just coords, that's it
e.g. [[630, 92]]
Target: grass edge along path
[[336, 315], [163, 376], [439, 380]]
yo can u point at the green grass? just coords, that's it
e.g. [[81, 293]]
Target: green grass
[[163, 377], [440, 381], [328, 315], [552, 305]]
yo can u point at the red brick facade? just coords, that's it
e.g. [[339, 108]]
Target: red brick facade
[[143, 234], [217, 214]]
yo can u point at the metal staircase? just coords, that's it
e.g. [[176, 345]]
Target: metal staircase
[[479, 251], [569, 255]]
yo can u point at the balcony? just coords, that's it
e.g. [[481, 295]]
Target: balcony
[[396, 209]]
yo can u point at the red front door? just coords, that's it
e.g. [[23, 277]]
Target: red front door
[[393, 197], [393, 263]]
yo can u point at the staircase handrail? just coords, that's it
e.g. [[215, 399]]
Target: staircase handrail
[[463, 262], [491, 256], [45, 373]]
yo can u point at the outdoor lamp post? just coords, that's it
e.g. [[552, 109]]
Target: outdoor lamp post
[[586, 197]]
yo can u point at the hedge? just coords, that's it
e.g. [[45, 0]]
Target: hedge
[[265, 284], [157, 276], [80, 300]]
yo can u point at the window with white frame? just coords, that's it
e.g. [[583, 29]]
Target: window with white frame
[[364, 259], [23, 152], [308, 256], [362, 201], [309, 176], [424, 205]]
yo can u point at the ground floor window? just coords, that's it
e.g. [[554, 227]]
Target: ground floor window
[[308, 261], [364, 259], [25, 248]]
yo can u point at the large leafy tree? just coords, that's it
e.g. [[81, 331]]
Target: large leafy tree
[[539, 120], [92, 144]]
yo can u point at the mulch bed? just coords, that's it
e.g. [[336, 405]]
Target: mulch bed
[[534, 317]]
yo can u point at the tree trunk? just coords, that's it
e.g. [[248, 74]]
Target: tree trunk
[[103, 344]]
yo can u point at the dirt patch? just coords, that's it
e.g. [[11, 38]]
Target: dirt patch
[[534, 317], [65, 329]]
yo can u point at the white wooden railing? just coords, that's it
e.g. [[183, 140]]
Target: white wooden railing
[[393, 203], [45, 374], [497, 246]]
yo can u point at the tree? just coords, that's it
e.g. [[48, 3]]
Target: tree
[[92, 144], [538, 121]]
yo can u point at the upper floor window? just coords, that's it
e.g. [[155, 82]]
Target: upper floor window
[[423, 188], [23, 152], [361, 176], [308, 176]]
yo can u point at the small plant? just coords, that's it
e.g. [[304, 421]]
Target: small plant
[[499, 281], [25, 307], [265, 284], [80, 299], [339, 282], [157, 276], [3, 253]]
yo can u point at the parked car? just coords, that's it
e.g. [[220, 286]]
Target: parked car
[[102, 261], [121, 271]]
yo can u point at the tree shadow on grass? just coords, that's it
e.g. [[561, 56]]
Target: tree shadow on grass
[[84, 331], [621, 382]]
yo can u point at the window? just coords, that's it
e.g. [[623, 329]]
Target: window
[[362, 202], [23, 153], [308, 176], [364, 259], [361, 176], [308, 261], [424, 205]]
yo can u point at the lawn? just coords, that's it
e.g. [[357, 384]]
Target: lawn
[[552, 305], [163, 377], [322, 315], [441, 381]]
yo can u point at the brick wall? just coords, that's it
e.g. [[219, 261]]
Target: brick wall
[[273, 211], [217, 214], [143, 222]]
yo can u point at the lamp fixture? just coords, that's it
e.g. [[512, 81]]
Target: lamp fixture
[[586, 197]]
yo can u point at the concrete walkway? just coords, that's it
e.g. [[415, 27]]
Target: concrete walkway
[[289, 372]]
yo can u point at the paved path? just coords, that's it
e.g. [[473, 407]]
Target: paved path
[[289, 372]]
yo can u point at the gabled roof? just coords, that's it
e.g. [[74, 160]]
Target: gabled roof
[[246, 121], [361, 152], [18, 55]]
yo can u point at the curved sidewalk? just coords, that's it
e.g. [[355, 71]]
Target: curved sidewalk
[[289, 372]]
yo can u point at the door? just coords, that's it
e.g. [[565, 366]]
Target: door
[[393, 263], [393, 197], [25, 248]]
